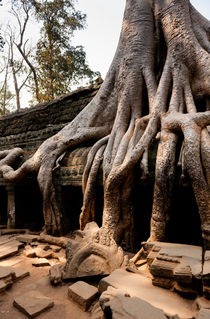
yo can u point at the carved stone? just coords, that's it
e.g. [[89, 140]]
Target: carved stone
[[176, 266], [117, 304], [92, 253]]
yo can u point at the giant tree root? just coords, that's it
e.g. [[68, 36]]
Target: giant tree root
[[160, 69]]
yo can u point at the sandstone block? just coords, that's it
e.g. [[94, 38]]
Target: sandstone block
[[9, 249], [204, 314], [41, 262], [117, 305], [83, 294], [5, 283], [206, 274], [33, 303]]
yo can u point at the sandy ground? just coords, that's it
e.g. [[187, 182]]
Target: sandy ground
[[38, 280]]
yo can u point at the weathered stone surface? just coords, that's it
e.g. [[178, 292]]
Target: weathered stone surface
[[83, 294], [8, 275], [41, 253], [92, 253], [137, 285], [202, 303], [206, 274], [29, 252], [204, 314], [55, 248], [33, 303], [6, 272], [117, 305], [19, 273], [9, 248], [3, 285], [55, 273], [41, 262], [176, 266], [27, 238], [97, 312]]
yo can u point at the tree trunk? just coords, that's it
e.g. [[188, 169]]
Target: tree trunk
[[160, 69]]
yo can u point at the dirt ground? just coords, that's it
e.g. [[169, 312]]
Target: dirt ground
[[38, 280]]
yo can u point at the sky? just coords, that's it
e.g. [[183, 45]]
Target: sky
[[104, 20]]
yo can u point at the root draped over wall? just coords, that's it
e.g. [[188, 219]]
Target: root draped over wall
[[160, 70]]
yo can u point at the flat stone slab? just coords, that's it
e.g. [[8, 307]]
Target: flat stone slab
[[3, 285], [123, 306], [27, 238], [37, 252], [19, 273], [83, 294], [206, 274], [9, 249], [204, 314], [41, 262], [140, 286], [6, 272], [202, 303], [175, 266], [33, 303]]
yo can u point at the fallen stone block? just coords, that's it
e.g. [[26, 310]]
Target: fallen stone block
[[206, 274], [41, 253], [6, 272], [176, 266], [19, 273], [204, 314], [202, 303], [27, 238], [9, 249], [55, 248], [83, 294], [3, 285], [55, 273], [33, 303], [29, 252], [41, 262], [140, 286], [116, 305]]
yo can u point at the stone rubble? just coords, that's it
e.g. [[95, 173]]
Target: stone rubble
[[33, 303], [8, 275], [177, 267], [41, 262], [116, 304], [83, 294]]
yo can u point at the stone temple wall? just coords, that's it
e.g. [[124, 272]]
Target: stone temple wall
[[28, 129]]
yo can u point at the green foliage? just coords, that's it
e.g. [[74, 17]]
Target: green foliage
[[59, 65]]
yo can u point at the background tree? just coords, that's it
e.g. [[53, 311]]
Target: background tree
[[59, 64], [158, 82]]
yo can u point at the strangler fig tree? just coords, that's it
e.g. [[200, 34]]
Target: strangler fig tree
[[161, 69]]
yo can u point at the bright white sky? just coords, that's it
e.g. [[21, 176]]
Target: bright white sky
[[104, 19]]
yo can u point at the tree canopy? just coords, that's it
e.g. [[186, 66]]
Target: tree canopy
[[52, 65]]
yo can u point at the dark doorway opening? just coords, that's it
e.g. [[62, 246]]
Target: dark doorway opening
[[3, 206], [28, 206], [184, 225]]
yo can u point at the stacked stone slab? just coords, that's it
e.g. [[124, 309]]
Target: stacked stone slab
[[9, 275], [176, 266], [206, 274]]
